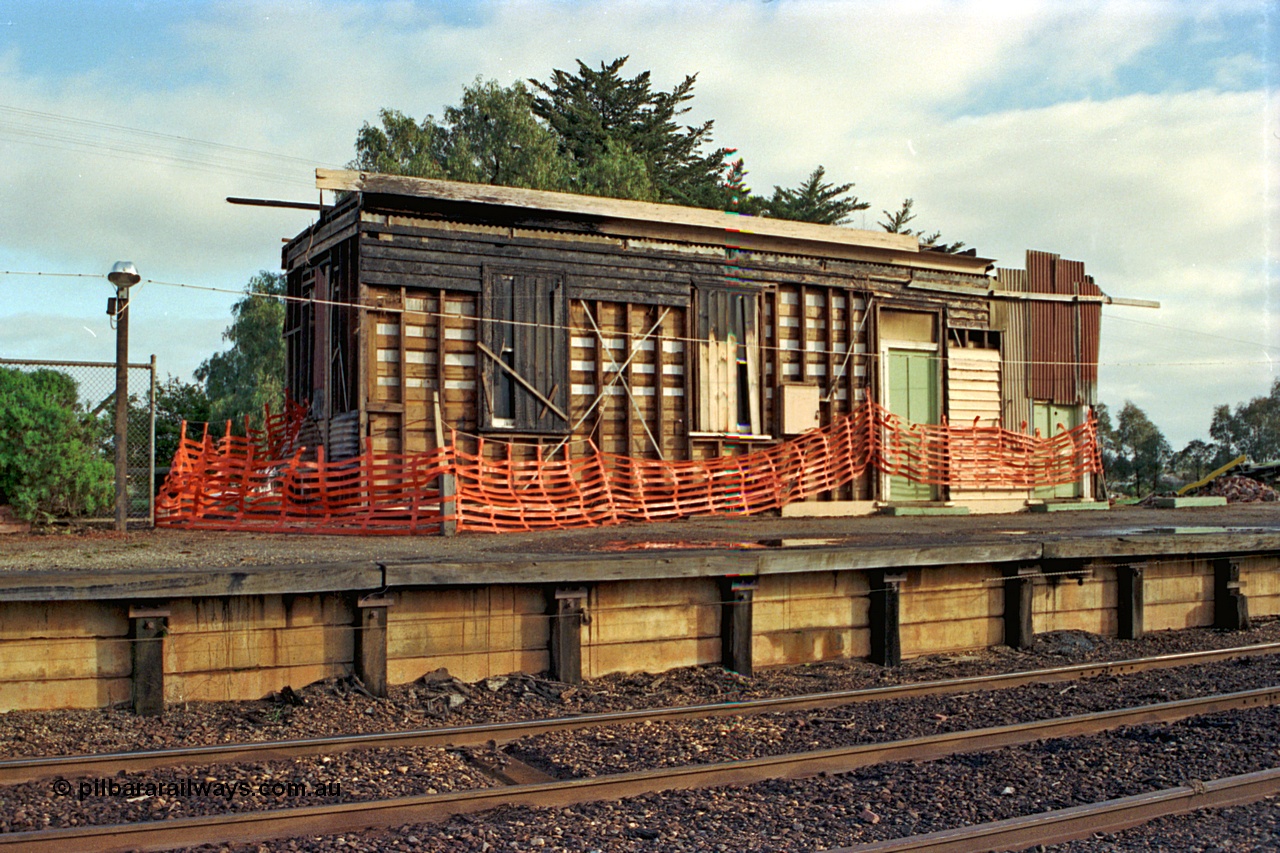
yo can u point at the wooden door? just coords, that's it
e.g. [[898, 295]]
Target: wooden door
[[913, 395]]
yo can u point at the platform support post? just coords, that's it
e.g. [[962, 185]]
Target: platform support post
[[147, 629], [568, 615], [449, 505], [737, 598], [1019, 587], [886, 643], [1230, 605], [371, 643], [1129, 598]]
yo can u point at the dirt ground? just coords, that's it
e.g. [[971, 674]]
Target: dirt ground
[[85, 548]]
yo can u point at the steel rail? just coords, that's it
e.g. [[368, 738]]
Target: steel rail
[[16, 770], [1084, 821], [430, 808]]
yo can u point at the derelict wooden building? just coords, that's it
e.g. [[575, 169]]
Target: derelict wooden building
[[530, 322]]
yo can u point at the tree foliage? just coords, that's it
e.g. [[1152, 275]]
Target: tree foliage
[[249, 376], [815, 200], [50, 462], [899, 221], [178, 401], [1252, 429], [1142, 453], [599, 114], [594, 131], [1193, 461]]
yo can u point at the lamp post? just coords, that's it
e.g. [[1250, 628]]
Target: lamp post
[[123, 275]]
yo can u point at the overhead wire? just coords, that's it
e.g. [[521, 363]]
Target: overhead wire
[[1197, 332], [67, 133], [582, 330]]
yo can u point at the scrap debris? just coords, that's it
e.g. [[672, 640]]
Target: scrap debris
[[1240, 489]]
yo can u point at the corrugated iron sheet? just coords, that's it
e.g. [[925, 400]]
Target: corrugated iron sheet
[[1063, 335], [1012, 318]]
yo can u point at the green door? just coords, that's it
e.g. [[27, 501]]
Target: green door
[[913, 396], [1046, 417]]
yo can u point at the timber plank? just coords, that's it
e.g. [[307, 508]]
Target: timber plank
[[135, 584]]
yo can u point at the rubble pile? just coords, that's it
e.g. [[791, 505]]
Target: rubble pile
[[1237, 489]]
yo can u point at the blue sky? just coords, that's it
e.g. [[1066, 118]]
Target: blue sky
[[1139, 137]]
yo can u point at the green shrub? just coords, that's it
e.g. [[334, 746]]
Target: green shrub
[[51, 464]]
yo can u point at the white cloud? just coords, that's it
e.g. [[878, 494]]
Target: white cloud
[[1007, 127]]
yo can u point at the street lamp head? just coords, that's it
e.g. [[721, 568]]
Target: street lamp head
[[124, 274]]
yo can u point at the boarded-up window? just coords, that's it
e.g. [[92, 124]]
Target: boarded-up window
[[524, 352], [728, 361]]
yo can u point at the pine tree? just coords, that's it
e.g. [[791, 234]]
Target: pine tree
[[815, 201], [598, 113], [896, 223]]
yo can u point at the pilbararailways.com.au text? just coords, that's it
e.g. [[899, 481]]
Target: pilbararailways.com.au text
[[126, 788]]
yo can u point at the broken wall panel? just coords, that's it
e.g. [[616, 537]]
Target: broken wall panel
[[674, 390]]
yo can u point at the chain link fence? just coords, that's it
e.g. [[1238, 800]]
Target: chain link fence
[[96, 395]]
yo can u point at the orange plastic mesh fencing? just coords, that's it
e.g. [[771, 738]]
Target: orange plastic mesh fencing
[[248, 483], [261, 482]]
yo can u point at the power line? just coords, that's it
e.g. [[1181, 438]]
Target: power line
[[612, 333], [50, 130], [1196, 332]]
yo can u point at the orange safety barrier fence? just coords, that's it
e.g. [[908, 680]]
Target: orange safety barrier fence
[[261, 482]]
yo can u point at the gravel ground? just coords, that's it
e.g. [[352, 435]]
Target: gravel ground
[[641, 746], [886, 801], [898, 798], [90, 548], [339, 707], [176, 792], [1254, 827]]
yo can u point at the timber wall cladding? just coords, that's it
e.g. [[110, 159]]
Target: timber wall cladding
[[244, 647], [1261, 577], [64, 655], [1064, 603], [632, 359], [811, 311]]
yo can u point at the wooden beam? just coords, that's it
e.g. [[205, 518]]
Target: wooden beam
[[568, 607], [1230, 605], [597, 428], [736, 624], [1129, 602], [1019, 588], [371, 643], [629, 429], [525, 382], [147, 629], [735, 227], [883, 616], [659, 397]]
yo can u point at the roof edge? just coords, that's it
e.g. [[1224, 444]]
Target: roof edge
[[623, 214]]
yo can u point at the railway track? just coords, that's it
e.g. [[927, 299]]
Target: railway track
[[13, 771], [1061, 825], [350, 817]]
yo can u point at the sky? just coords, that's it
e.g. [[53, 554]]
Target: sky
[[1142, 138]]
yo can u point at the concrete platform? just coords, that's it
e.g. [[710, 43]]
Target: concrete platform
[[1182, 502], [1069, 506], [161, 616], [919, 510]]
